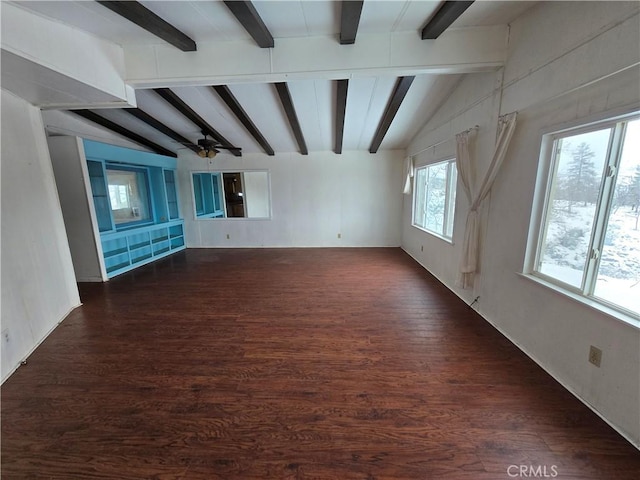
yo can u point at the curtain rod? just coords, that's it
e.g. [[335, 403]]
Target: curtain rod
[[468, 130]]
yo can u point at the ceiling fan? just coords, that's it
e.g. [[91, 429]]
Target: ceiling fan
[[209, 148]]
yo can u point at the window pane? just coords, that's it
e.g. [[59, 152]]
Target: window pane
[[208, 194], [217, 198], [420, 198], [432, 210], [197, 193], [579, 164], [618, 279], [128, 196], [436, 197]]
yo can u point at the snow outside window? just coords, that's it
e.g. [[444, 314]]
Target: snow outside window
[[590, 236], [435, 198]]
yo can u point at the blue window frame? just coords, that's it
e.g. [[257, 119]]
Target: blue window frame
[[207, 195], [129, 195]]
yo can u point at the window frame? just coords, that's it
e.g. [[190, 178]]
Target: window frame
[[222, 207], [212, 204], [144, 180], [448, 221], [548, 163]]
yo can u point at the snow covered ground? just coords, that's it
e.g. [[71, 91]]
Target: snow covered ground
[[566, 252]]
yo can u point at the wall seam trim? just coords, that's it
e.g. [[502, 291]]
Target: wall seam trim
[[605, 29]]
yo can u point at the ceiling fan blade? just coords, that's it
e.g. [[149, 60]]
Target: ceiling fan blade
[[209, 144], [187, 144], [228, 147]]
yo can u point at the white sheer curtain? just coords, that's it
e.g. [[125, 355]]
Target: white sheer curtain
[[408, 175], [469, 259]]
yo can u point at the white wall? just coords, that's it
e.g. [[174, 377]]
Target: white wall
[[257, 200], [74, 190], [55, 65], [565, 64], [313, 199], [38, 283], [58, 122]]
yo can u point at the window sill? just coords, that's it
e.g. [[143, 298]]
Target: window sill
[[216, 214], [586, 301], [437, 235], [132, 226], [211, 218]]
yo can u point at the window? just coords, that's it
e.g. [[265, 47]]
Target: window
[[233, 194], [119, 196], [206, 192], [244, 194], [129, 195], [435, 198], [589, 239], [172, 194]]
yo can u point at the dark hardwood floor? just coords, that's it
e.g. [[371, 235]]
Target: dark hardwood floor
[[292, 364]]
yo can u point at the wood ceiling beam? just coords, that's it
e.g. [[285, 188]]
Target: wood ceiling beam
[[145, 18], [227, 97], [341, 108], [248, 16], [441, 20], [289, 109], [114, 127], [350, 19], [399, 92], [176, 102], [161, 127]]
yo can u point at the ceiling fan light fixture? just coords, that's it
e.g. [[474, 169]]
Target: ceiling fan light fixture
[[208, 148], [207, 153]]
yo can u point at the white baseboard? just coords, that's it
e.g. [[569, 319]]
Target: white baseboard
[[32, 349], [625, 435]]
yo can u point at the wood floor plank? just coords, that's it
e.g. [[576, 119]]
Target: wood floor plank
[[290, 364]]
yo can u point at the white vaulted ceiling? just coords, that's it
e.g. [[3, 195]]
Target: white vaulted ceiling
[[215, 29]]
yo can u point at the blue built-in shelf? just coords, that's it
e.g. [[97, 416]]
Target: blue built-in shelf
[[112, 153], [124, 251], [135, 228]]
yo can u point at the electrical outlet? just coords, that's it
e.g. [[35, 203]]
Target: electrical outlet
[[5, 335], [422, 248], [339, 235], [595, 355], [228, 237]]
